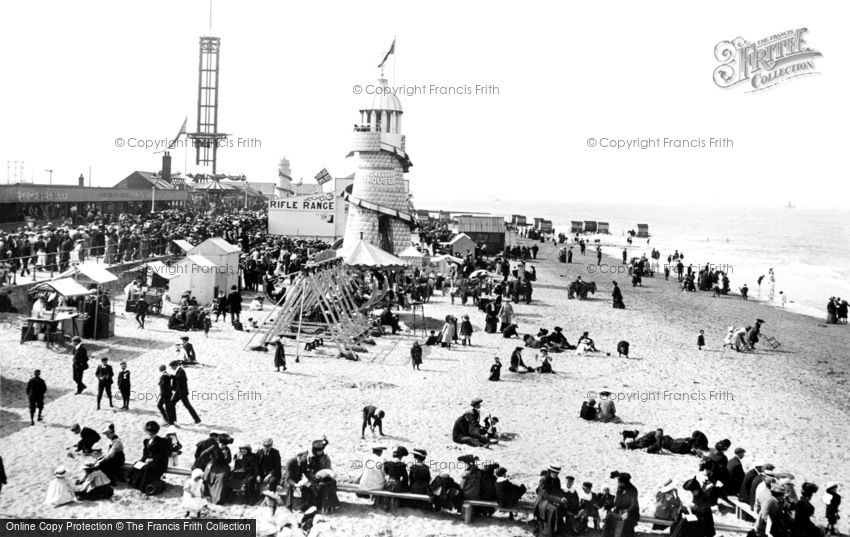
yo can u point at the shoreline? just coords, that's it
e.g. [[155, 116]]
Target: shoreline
[[660, 322]]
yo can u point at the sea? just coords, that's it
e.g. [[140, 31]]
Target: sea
[[807, 248]]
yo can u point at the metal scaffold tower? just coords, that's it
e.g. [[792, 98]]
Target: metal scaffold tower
[[207, 139]]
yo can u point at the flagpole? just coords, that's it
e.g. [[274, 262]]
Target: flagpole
[[395, 43]]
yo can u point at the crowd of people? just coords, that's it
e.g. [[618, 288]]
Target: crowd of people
[[306, 482]]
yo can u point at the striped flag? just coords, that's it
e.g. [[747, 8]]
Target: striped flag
[[323, 176], [387, 55]]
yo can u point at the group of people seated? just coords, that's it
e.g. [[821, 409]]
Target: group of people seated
[[554, 341], [770, 494], [469, 430], [218, 477], [189, 318], [605, 411]]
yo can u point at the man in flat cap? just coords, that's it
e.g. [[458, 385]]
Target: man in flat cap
[[270, 470], [467, 428]]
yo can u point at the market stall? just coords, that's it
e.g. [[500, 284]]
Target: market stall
[[58, 311], [100, 320]]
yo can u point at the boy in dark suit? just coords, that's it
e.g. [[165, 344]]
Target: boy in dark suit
[[164, 403], [80, 364], [190, 350], [507, 493], [104, 376], [124, 386]]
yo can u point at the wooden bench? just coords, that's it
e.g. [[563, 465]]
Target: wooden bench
[[470, 505], [742, 510], [173, 470], [729, 528], [394, 497]]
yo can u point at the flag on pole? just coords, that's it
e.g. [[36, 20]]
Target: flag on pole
[[387, 55], [323, 176], [180, 133]]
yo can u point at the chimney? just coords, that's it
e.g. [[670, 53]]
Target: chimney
[[82, 180], [166, 167]]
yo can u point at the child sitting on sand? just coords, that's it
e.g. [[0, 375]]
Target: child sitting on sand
[[433, 339], [59, 491]]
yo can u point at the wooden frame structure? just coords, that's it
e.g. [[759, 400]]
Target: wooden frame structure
[[326, 286]]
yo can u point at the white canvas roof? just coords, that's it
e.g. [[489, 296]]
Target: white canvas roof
[[183, 244], [66, 287], [201, 261], [92, 271]]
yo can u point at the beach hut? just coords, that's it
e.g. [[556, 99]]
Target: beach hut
[[643, 230], [602, 227], [413, 257], [226, 258], [590, 226], [546, 226], [195, 274], [182, 247], [576, 226], [460, 245]]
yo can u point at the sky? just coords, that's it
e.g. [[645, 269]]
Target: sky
[[79, 75]]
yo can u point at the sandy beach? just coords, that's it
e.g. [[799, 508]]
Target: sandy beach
[[786, 406]]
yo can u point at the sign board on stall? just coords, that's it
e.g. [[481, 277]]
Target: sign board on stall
[[303, 216]]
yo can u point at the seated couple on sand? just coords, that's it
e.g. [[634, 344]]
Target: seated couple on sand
[[468, 429], [605, 412]]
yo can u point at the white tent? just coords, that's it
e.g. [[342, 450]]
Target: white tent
[[413, 257], [366, 256], [443, 263], [226, 258], [195, 274]]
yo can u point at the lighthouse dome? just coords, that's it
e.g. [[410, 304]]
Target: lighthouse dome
[[383, 98]]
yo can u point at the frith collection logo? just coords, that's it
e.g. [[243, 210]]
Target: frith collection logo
[[764, 63]]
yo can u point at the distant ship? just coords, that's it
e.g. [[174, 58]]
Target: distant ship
[[790, 205]]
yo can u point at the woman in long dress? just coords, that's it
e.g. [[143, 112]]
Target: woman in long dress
[[700, 523], [218, 469]]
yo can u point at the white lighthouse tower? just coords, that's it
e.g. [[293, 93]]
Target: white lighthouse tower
[[379, 210]]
